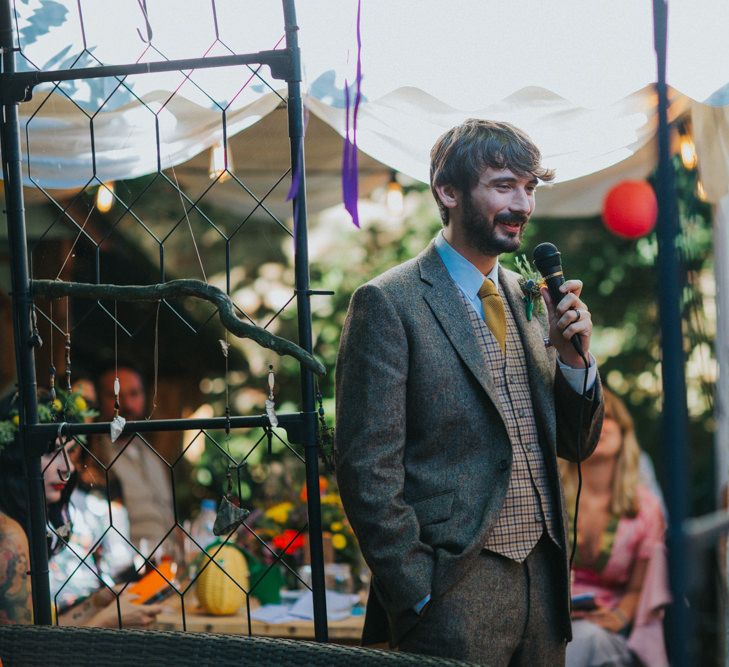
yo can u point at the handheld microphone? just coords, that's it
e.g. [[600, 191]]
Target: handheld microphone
[[546, 258]]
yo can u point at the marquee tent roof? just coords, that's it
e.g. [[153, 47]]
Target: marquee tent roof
[[575, 75]]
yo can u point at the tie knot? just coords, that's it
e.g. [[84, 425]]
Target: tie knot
[[487, 289]]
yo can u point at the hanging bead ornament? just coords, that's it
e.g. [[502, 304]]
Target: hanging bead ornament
[[67, 346], [56, 407], [270, 405], [52, 371], [52, 382], [64, 475], [35, 339], [324, 436], [118, 422]]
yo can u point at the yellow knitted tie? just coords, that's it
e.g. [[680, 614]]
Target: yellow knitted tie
[[493, 311]]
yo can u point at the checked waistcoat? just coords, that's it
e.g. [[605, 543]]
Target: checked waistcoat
[[528, 506]]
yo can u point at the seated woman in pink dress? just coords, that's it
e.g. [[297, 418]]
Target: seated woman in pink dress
[[620, 530]]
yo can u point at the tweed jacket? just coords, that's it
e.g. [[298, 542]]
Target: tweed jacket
[[423, 456]]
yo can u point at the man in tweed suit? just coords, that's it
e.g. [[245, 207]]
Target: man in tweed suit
[[448, 426]]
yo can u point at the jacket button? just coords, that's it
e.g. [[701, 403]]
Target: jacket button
[[504, 465]]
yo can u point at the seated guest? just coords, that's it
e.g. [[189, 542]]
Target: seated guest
[[99, 604], [144, 479], [619, 545], [648, 478], [103, 545]]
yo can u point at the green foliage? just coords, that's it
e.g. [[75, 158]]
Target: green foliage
[[68, 406], [621, 290]]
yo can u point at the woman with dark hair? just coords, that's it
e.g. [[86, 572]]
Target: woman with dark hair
[[100, 608]]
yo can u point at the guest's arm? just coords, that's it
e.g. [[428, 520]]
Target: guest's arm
[[15, 595], [622, 615], [629, 603], [100, 610]]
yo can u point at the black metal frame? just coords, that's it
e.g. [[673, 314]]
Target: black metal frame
[[682, 533], [675, 417], [16, 88]]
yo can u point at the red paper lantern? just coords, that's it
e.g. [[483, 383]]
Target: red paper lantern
[[630, 209]]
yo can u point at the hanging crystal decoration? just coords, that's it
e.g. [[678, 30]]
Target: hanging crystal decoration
[[118, 422], [270, 405], [35, 339], [229, 515]]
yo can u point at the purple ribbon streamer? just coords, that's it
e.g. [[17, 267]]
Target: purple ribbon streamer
[[350, 170]]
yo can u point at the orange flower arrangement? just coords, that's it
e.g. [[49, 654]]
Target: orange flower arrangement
[[283, 524]]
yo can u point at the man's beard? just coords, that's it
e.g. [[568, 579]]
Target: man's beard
[[481, 233]]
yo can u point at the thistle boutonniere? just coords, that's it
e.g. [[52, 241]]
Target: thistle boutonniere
[[529, 281]]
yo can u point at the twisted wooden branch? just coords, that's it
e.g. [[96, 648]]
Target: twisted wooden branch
[[54, 289]]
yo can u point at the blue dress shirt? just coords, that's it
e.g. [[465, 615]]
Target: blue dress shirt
[[469, 279]]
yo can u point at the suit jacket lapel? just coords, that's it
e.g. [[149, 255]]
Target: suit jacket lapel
[[540, 367], [447, 305]]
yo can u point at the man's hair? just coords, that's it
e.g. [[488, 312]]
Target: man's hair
[[460, 155], [111, 367]]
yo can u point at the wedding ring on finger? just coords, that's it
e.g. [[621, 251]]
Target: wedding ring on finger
[[579, 315]]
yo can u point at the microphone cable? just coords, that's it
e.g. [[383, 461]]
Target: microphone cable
[[586, 362]]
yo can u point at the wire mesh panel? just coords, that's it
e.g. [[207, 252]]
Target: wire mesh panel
[[138, 204]]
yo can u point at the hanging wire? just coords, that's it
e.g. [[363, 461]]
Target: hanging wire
[[189, 225], [225, 346], [73, 245], [145, 33], [117, 386], [116, 341], [52, 369], [155, 361], [67, 346]]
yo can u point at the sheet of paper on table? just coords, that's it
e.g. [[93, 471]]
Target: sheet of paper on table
[[339, 606]]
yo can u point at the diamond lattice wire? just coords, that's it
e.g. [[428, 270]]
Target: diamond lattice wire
[[228, 229]]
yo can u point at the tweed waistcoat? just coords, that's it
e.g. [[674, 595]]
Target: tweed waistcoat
[[527, 508]]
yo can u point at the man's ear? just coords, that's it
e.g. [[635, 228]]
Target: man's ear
[[449, 196]]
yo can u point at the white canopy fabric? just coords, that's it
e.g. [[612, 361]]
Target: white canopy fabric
[[575, 75]]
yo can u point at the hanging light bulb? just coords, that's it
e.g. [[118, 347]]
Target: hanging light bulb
[[687, 148], [394, 199], [105, 197], [218, 164]]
